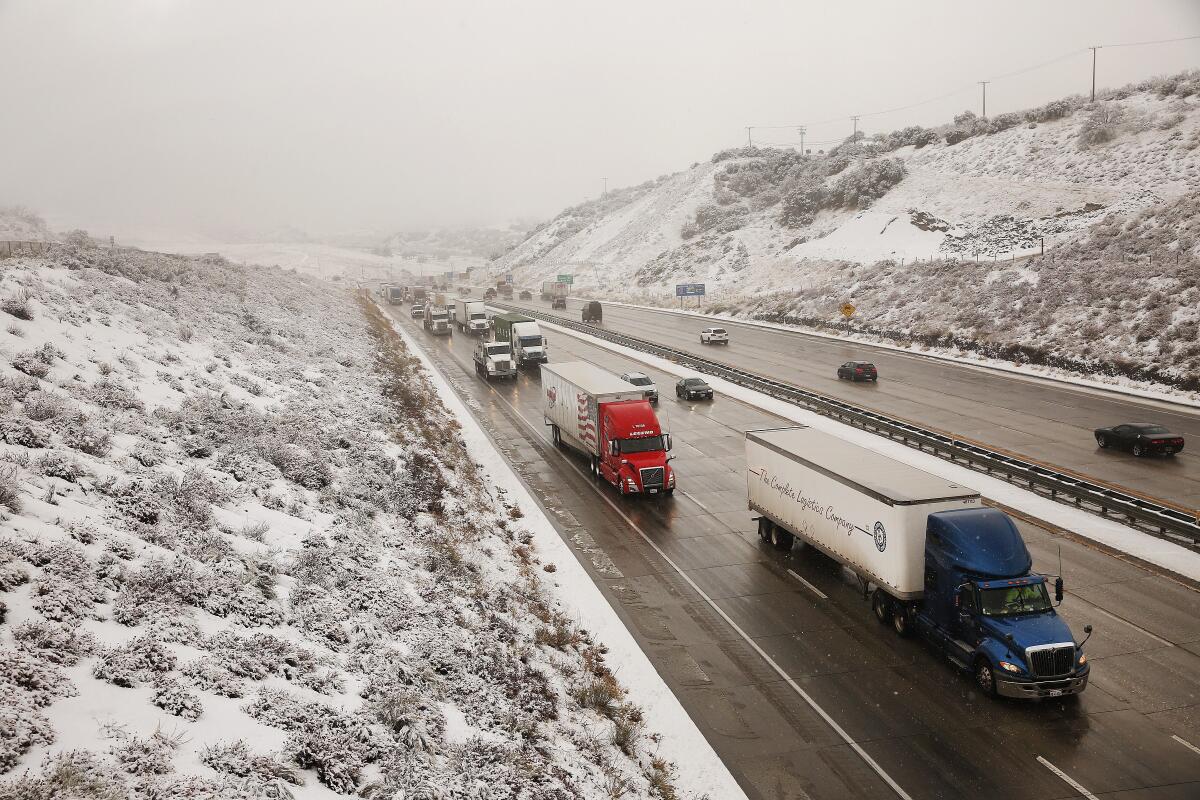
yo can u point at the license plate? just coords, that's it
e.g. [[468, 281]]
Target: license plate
[[652, 491], [1056, 692]]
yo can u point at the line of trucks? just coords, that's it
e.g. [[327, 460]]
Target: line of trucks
[[933, 559]]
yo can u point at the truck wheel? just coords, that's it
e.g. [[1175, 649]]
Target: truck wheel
[[595, 468], [881, 604], [900, 622], [985, 678], [764, 528], [781, 539], [555, 436]]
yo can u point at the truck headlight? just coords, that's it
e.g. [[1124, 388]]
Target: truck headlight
[[1007, 667], [1082, 659]]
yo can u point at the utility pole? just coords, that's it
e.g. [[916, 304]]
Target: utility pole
[[605, 187], [749, 141], [854, 138], [802, 130], [984, 85], [1094, 49]]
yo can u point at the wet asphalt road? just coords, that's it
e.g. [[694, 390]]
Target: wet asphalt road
[[743, 634], [1045, 421]]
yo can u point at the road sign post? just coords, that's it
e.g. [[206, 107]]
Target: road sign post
[[695, 290]]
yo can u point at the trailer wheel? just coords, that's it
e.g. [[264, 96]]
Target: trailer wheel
[[555, 436], [764, 528], [781, 539], [881, 604], [595, 468], [900, 622]]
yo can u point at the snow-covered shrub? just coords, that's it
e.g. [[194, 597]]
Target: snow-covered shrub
[[29, 363], [109, 393], [78, 433], [136, 500], [860, 187], [174, 698], [144, 757], [55, 642], [67, 588], [23, 435], [42, 405], [296, 463], [1102, 124], [206, 674], [12, 574], [332, 753], [10, 492], [20, 385], [147, 454], [19, 304], [235, 758], [140, 660], [56, 464], [22, 725], [1002, 122], [801, 204], [192, 495], [73, 775]]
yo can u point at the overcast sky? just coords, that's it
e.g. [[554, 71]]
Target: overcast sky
[[212, 116]]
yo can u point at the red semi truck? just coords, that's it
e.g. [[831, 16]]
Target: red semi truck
[[609, 420]]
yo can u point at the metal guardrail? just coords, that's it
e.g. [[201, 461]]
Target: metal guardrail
[[1169, 522]]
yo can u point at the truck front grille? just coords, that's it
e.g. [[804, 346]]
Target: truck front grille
[[652, 478], [1047, 662], [502, 366]]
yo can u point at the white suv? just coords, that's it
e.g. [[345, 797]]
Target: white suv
[[643, 382], [714, 336]]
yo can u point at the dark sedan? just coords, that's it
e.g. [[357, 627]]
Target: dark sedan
[[526, 294], [858, 371], [1141, 439], [693, 389]]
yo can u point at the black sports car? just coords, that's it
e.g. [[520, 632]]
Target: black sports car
[[858, 371], [1141, 439], [693, 389]]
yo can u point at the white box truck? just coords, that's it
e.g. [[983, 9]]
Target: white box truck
[[470, 316], [941, 563]]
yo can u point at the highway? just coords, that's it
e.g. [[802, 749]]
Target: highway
[[1041, 420], [778, 659]]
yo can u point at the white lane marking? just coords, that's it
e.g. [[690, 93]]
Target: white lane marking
[[1187, 744], [830, 721], [1137, 628], [814, 589], [1067, 779], [692, 497]]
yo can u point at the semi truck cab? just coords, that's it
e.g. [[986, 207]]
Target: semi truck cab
[[529, 344], [494, 360], [633, 449], [437, 319], [989, 614]]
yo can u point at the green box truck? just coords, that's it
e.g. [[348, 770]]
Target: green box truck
[[529, 346]]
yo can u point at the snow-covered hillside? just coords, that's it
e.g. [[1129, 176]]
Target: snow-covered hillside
[[760, 220], [245, 553]]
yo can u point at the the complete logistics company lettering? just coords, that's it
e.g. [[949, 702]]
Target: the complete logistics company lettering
[[807, 504]]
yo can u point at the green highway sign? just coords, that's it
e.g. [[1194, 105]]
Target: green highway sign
[[566, 279]]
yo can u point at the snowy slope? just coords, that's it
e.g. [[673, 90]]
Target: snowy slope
[[244, 552]]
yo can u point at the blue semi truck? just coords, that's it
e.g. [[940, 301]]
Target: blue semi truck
[[940, 563]]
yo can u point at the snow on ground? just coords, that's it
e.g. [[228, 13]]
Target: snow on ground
[[1108, 532], [700, 770], [245, 551]]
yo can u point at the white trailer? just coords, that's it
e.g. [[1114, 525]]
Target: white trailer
[[861, 508], [470, 316], [572, 393]]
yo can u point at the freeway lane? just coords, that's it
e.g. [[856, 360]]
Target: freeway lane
[[1048, 422], [921, 721]]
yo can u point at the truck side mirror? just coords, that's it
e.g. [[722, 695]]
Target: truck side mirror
[[667, 440], [1058, 589], [612, 448]]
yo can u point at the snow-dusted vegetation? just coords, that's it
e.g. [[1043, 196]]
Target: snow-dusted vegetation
[[245, 553]]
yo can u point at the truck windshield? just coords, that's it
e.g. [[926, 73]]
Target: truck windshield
[[497, 350], [649, 444], [478, 315], [1009, 600], [530, 341]]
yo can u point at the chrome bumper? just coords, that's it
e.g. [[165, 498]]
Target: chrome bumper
[[1060, 687]]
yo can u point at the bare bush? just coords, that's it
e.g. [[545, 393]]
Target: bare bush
[[19, 304], [10, 492], [42, 405]]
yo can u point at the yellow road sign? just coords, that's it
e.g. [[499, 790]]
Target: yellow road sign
[[847, 309]]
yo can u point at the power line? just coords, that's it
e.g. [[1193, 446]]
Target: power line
[[961, 89]]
